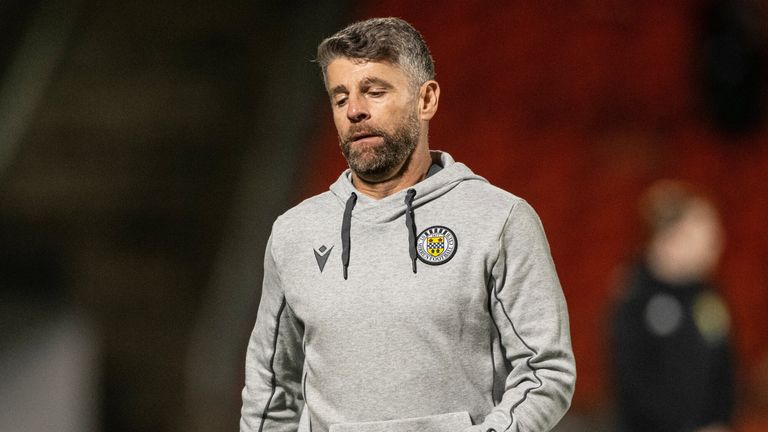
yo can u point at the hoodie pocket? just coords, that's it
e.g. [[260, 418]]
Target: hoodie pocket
[[450, 422]]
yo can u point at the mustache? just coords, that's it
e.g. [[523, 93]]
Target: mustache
[[356, 132]]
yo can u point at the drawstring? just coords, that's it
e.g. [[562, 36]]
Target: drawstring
[[411, 225], [346, 222]]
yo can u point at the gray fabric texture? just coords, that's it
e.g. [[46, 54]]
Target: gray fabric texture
[[450, 422], [484, 331]]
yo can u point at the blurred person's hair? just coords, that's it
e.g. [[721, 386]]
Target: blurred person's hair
[[665, 203], [380, 39]]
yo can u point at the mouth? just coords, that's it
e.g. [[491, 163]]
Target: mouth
[[362, 136]]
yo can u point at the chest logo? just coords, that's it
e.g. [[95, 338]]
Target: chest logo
[[321, 255], [436, 245]]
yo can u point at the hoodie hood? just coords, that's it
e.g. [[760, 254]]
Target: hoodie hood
[[393, 207], [403, 203]]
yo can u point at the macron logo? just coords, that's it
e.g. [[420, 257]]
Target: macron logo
[[321, 255]]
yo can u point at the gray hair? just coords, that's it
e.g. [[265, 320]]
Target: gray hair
[[377, 39]]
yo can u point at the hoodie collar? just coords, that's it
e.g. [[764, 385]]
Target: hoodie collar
[[393, 206]]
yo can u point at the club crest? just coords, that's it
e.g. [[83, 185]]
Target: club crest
[[436, 245]]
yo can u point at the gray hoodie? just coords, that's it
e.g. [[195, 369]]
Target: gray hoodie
[[433, 309]]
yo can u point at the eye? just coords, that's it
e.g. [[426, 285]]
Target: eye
[[376, 93], [340, 101]]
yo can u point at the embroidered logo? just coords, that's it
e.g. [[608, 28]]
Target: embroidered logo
[[436, 245], [321, 255]]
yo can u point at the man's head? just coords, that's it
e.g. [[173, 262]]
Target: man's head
[[684, 234], [379, 77]]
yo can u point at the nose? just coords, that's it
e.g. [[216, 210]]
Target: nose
[[357, 109]]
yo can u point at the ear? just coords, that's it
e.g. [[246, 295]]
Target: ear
[[429, 94]]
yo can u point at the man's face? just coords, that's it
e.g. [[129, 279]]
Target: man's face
[[376, 116], [697, 239]]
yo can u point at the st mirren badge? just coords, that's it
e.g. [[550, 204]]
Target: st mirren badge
[[436, 245]]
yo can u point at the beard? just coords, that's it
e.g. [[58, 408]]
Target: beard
[[378, 162]]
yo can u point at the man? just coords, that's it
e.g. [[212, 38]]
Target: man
[[413, 295], [671, 341]]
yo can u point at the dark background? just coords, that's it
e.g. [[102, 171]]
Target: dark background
[[147, 146]]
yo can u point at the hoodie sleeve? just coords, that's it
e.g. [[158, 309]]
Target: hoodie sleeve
[[272, 399], [530, 313]]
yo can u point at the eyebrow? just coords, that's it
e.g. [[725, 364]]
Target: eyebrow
[[341, 88], [369, 81], [377, 81]]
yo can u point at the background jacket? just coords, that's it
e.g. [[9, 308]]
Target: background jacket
[[671, 343]]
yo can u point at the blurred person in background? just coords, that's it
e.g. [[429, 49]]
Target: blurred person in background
[[672, 367]]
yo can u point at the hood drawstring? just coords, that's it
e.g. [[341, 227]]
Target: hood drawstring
[[411, 225], [346, 223]]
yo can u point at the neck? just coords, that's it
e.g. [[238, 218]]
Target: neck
[[414, 170]]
